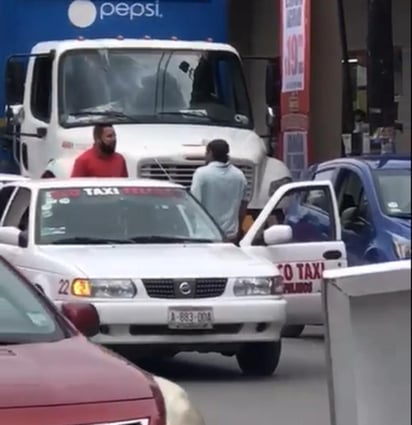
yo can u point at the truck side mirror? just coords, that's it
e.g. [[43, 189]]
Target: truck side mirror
[[15, 79], [272, 90]]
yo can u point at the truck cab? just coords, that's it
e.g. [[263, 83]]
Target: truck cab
[[166, 98]]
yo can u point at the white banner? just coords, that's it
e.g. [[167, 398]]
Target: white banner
[[293, 49], [295, 154]]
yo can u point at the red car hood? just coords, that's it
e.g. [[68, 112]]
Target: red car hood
[[71, 371]]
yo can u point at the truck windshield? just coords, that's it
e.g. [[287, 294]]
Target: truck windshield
[[153, 86], [394, 189]]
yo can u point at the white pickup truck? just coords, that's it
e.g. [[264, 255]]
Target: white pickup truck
[[166, 98]]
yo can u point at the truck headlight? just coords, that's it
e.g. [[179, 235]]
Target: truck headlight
[[250, 286], [103, 288], [276, 184], [402, 247]]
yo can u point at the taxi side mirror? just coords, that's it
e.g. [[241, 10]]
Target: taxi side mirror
[[278, 234]]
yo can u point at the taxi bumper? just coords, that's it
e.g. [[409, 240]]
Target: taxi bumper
[[146, 322]]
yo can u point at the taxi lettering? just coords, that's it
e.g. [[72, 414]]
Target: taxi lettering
[[101, 191], [299, 277]]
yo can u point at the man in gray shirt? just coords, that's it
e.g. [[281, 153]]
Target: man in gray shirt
[[221, 188]]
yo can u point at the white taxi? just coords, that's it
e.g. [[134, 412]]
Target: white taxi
[[156, 267], [151, 260]]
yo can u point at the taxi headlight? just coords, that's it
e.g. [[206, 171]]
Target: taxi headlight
[[402, 247], [103, 288], [250, 286]]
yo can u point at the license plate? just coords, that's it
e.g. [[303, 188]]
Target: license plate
[[190, 318]]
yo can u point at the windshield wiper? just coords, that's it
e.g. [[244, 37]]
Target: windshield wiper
[[108, 114], [194, 114], [5, 342], [80, 240], [168, 239]]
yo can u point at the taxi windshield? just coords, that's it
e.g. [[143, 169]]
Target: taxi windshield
[[394, 189], [119, 215], [23, 317], [153, 86]]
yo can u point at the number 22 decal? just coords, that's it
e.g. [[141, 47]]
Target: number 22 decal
[[63, 287]]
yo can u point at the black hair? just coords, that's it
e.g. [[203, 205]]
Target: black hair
[[98, 130], [219, 149]]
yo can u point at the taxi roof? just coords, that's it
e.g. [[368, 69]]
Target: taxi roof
[[35, 184]]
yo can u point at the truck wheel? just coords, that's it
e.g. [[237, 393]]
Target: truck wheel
[[293, 331], [259, 359]]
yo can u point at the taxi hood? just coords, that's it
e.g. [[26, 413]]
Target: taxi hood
[[160, 260], [70, 371]]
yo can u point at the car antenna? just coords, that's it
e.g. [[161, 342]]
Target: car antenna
[[162, 168], [164, 171]]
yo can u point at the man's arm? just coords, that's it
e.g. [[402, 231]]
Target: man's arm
[[79, 168], [196, 187], [243, 208]]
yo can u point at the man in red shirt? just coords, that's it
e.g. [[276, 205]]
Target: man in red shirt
[[101, 160]]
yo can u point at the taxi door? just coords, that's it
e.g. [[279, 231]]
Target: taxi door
[[305, 253]]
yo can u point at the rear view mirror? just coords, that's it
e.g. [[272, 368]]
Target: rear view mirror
[[15, 79], [83, 316], [15, 114], [278, 234], [273, 90], [273, 84]]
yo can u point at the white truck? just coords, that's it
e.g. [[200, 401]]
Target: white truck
[[166, 98]]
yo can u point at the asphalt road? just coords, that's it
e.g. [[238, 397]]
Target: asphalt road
[[295, 395]]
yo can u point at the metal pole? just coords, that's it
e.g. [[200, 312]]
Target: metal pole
[[380, 74]]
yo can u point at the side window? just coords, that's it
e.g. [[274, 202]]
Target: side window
[[5, 195], [316, 199], [352, 200], [40, 101], [350, 190], [306, 227], [18, 213], [325, 174]]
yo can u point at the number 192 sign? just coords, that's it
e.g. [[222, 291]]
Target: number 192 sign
[[293, 45]]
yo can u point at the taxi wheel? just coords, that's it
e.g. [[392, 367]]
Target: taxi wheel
[[294, 331], [259, 359]]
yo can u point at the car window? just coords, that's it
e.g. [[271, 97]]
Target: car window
[[317, 198], [350, 190], [394, 190], [305, 225], [131, 214], [18, 213], [5, 195], [23, 317], [325, 174]]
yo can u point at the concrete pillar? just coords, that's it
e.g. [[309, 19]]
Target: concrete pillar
[[326, 81]]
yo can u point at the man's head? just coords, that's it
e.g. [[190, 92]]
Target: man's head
[[217, 150], [105, 138]]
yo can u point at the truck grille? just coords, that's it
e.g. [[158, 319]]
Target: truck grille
[[182, 174], [200, 288]]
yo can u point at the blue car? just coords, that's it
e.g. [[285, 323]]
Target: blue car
[[374, 200]]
